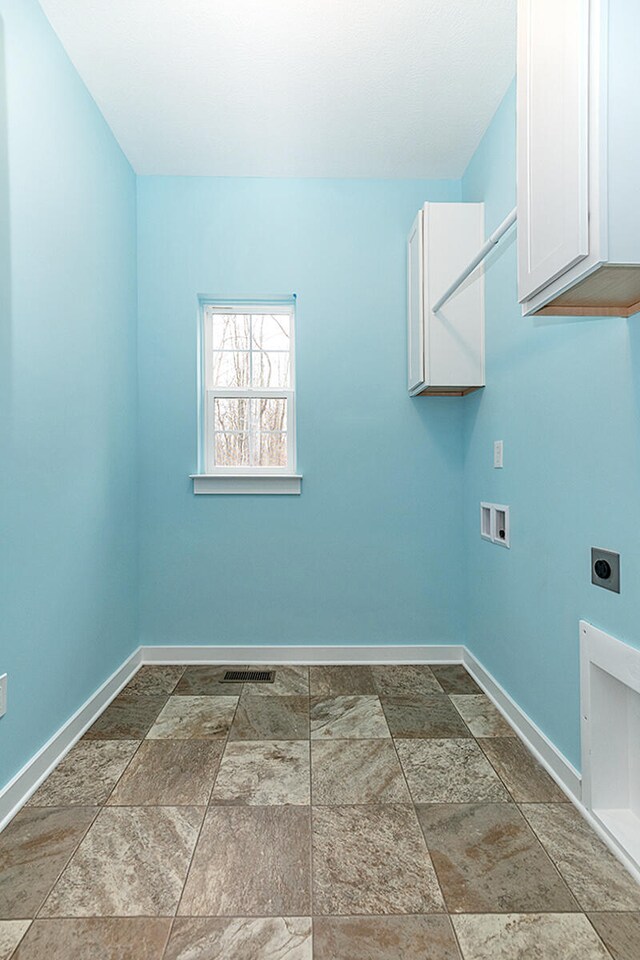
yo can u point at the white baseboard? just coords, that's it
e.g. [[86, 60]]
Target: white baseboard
[[16, 793], [379, 653], [554, 762]]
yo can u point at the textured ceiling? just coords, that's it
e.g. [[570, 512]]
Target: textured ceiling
[[282, 88]]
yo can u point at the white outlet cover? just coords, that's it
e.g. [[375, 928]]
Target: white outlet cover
[[498, 452], [3, 694]]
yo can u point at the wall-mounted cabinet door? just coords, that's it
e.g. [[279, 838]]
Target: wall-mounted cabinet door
[[446, 348], [553, 139], [415, 303]]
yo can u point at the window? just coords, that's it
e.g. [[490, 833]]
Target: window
[[247, 403]]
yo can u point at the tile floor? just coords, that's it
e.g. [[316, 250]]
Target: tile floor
[[341, 813]]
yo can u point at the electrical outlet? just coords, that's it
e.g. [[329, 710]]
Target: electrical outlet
[[498, 451], [3, 694], [605, 569]]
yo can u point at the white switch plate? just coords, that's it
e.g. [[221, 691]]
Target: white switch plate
[[3, 694], [498, 453]]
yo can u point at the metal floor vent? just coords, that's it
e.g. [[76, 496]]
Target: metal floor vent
[[249, 676]]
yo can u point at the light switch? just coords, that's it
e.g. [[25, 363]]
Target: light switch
[[497, 454]]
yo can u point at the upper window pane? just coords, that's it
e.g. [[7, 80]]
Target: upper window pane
[[230, 331], [231, 369], [271, 331], [270, 370]]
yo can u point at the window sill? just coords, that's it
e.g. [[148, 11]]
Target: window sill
[[236, 483]]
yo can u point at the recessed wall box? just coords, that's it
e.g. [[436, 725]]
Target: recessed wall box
[[494, 523], [485, 521], [501, 531], [605, 569]]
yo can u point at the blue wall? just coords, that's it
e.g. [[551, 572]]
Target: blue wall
[[68, 399], [564, 395], [371, 550]]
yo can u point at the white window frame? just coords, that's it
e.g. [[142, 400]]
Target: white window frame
[[212, 478]]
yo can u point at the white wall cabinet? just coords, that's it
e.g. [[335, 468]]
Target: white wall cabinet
[[578, 157], [445, 349]]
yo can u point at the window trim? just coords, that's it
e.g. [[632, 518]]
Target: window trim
[[251, 479]]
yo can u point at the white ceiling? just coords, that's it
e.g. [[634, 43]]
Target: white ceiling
[[284, 88]]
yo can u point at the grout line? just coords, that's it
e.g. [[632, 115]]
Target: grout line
[[14, 951], [69, 858], [206, 810], [311, 835], [172, 920], [494, 768], [597, 932], [548, 855], [134, 754], [415, 811]]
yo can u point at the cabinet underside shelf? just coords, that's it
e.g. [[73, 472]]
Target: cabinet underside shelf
[[447, 392], [612, 290]]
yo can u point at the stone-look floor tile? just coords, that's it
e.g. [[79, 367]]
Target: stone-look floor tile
[[371, 860], [384, 938], [526, 780], [194, 718], [340, 681], [356, 771], [423, 717], [481, 716], [289, 682], [251, 861], [449, 771], [598, 881], [11, 933], [87, 775], [153, 679], [405, 680], [138, 938], [263, 773], [127, 718], [453, 678], [244, 938], [170, 773], [271, 718], [133, 862], [489, 860], [203, 681], [528, 936], [34, 849], [348, 718], [620, 933]]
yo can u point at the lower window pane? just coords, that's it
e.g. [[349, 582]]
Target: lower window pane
[[231, 415], [271, 450], [269, 414], [232, 450]]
